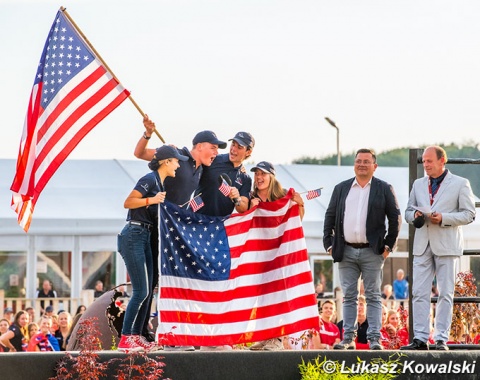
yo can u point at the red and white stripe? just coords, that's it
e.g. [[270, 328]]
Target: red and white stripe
[[52, 133], [269, 293], [225, 188]]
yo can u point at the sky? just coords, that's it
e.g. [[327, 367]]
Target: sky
[[389, 73]]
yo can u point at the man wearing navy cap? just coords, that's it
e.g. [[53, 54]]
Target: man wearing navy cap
[[180, 188], [230, 164], [216, 203], [187, 177]]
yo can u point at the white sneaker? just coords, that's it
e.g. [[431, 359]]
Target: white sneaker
[[149, 346], [179, 348], [216, 348]]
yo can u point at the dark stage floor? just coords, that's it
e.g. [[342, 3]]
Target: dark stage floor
[[248, 365]]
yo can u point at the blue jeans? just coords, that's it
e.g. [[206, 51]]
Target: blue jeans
[[364, 262], [134, 246]]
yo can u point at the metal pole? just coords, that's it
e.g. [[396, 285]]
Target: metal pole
[[332, 123], [338, 147], [415, 170]]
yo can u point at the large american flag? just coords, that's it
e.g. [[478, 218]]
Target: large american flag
[[235, 279], [72, 93]]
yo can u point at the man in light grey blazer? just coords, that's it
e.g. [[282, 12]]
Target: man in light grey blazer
[[446, 203]]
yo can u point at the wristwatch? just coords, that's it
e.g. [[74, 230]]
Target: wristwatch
[[388, 248], [145, 136]]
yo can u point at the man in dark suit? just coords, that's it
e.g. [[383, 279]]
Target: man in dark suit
[[356, 236]]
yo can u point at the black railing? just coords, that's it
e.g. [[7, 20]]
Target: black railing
[[459, 299]]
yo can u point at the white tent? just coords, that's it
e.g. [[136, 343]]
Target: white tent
[[81, 207], [85, 197]]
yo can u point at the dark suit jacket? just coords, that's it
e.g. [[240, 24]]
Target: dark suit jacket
[[382, 203]]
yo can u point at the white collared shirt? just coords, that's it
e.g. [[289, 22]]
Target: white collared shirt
[[355, 218]]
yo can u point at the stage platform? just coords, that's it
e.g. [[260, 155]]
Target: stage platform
[[263, 365]]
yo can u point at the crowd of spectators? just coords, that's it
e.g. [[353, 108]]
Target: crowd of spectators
[[394, 331], [22, 331], [49, 333]]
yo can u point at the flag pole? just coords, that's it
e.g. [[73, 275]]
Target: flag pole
[[190, 199], [305, 192], [64, 10]]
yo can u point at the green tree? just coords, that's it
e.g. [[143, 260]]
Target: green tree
[[398, 157]]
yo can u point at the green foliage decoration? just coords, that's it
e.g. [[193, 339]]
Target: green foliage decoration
[[327, 369]]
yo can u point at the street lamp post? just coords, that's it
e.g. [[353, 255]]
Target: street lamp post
[[332, 123]]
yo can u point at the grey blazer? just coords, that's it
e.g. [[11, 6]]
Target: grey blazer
[[455, 201]]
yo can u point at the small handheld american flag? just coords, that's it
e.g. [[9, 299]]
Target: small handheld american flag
[[314, 193], [224, 188], [196, 203]]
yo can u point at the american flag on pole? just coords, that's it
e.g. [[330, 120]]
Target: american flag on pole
[[235, 279], [314, 193], [224, 188], [196, 203], [71, 94]]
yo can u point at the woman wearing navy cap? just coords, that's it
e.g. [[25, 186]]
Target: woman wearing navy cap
[[266, 188], [134, 244]]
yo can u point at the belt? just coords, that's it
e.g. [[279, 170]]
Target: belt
[[358, 245], [136, 223]]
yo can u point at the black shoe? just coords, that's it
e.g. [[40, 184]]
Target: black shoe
[[346, 344], [416, 344], [375, 345], [440, 345]]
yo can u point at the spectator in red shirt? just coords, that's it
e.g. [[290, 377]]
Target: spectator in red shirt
[[394, 334], [44, 340], [329, 333]]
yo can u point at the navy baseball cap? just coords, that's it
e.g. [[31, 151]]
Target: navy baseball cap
[[264, 166], [210, 137], [244, 139], [167, 151]]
